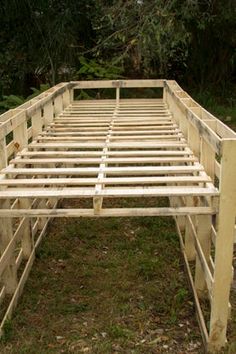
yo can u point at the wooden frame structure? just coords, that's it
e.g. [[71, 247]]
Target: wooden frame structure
[[55, 147]]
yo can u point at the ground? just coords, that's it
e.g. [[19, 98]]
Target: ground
[[107, 286]]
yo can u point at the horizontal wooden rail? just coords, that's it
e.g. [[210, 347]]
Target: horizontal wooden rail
[[117, 83], [113, 212]]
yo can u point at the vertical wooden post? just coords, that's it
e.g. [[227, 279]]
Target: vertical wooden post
[[208, 159], [194, 143], [58, 105], [164, 97], [48, 113], [41, 220], [72, 93], [223, 247], [117, 95], [188, 237], [204, 236], [20, 135], [26, 241], [66, 98], [194, 140], [3, 153], [37, 123], [180, 119]]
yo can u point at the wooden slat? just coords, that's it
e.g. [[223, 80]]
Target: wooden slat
[[114, 212], [134, 160], [91, 153], [105, 180], [143, 170], [93, 145], [117, 83], [108, 192]]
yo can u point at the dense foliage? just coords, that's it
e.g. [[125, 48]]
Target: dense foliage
[[46, 41]]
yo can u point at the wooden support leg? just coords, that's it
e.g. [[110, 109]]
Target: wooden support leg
[[189, 241], [26, 240], [42, 221], [223, 248], [97, 204], [176, 202], [9, 276], [204, 236]]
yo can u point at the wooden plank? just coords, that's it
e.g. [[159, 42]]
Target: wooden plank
[[116, 130], [3, 153], [26, 241], [37, 123], [114, 212], [188, 235], [116, 133], [117, 83], [108, 192], [48, 113], [145, 170], [117, 125], [127, 138], [204, 236], [90, 153], [105, 180], [224, 247], [124, 160], [20, 136], [94, 145]]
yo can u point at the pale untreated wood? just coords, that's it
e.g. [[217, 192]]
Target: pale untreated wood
[[224, 246], [114, 149], [112, 212]]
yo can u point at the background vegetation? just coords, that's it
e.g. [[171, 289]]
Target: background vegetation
[[46, 41]]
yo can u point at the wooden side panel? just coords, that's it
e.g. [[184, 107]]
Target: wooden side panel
[[224, 247]]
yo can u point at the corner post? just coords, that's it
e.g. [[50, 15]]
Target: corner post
[[223, 247]]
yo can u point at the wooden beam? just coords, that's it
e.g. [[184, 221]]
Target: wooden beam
[[114, 212]]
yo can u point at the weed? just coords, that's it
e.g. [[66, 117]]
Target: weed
[[7, 331], [180, 297], [66, 309], [148, 268], [116, 331]]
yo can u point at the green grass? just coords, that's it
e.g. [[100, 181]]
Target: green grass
[[105, 286], [114, 285]]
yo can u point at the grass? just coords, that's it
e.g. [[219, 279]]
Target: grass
[[106, 286]]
